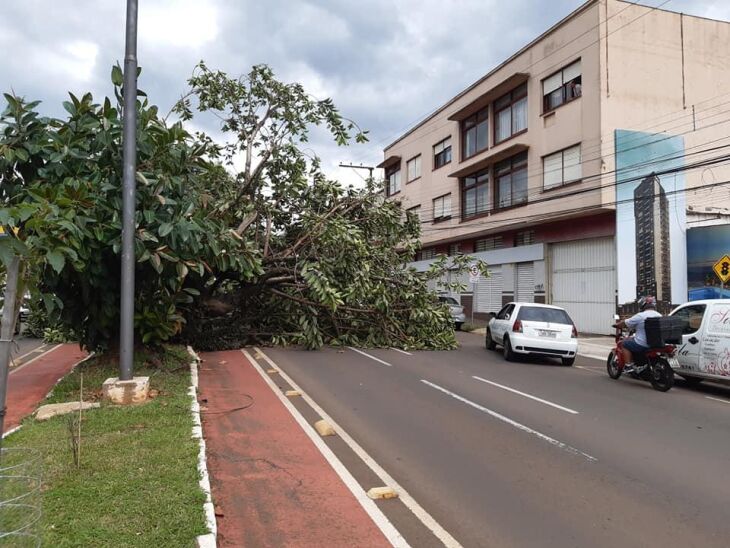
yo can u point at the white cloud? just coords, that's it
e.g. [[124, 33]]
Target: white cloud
[[188, 24]]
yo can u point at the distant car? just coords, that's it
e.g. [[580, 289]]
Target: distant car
[[536, 329], [457, 311]]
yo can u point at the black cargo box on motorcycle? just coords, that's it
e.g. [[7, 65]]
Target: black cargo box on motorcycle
[[663, 330]]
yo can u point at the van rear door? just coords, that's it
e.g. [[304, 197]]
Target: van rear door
[[715, 346], [692, 317]]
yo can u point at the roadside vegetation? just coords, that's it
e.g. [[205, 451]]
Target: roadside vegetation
[[137, 483]]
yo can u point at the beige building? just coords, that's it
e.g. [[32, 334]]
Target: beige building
[[519, 168]]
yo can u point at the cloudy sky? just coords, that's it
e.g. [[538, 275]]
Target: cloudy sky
[[385, 63]]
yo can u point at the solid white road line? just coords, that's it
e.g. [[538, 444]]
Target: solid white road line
[[511, 422], [546, 402], [717, 399], [402, 351], [371, 357], [21, 366], [383, 523], [423, 516], [592, 356]]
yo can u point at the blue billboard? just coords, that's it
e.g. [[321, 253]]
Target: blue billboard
[[705, 246]]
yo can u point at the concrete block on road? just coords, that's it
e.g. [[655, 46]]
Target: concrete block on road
[[45, 412], [324, 428], [271, 371], [292, 393], [382, 493]]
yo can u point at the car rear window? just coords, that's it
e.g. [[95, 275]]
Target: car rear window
[[540, 314], [448, 300]]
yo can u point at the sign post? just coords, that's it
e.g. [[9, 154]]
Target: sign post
[[722, 269]]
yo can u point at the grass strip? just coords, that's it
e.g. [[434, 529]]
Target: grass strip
[[138, 481]]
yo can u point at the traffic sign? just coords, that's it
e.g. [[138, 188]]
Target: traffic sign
[[473, 274], [722, 269]]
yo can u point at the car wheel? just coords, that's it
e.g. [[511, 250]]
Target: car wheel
[[508, 354], [568, 361], [490, 344], [457, 326]]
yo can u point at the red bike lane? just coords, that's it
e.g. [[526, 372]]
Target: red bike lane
[[270, 484], [29, 384]]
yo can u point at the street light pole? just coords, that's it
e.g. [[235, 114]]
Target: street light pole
[[129, 142]]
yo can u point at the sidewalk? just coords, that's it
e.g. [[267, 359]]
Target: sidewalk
[[270, 485], [29, 383]]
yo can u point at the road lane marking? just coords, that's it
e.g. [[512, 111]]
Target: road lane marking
[[423, 516], [39, 356], [402, 351], [546, 402], [371, 357], [592, 356], [375, 513], [519, 426], [716, 399], [588, 369], [37, 349]]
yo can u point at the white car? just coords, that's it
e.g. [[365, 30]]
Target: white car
[[457, 311], [536, 329], [705, 349]]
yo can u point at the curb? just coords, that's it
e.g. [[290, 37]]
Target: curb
[[209, 540]]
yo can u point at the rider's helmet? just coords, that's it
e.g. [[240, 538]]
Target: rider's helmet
[[647, 302]]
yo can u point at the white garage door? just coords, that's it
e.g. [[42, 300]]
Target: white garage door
[[488, 292], [583, 281], [525, 288]]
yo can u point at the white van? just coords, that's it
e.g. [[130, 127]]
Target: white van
[[705, 349]]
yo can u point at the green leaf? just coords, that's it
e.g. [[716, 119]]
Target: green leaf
[[165, 229], [56, 260], [70, 108], [117, 75]]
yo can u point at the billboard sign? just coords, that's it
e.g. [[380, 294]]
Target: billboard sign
[[650, 217]]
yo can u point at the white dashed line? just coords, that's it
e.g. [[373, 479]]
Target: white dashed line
[[716, 399], [530, 396], [402, 351], [371, 357], [519, 426]]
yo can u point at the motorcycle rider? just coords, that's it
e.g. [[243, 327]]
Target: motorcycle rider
[[638, 343]]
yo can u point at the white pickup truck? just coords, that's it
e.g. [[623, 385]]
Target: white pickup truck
[[705, 349]]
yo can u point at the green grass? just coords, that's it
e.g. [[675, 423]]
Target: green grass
[[138, 481]]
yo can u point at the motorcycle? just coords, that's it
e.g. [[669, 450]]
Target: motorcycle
[[656, 365]]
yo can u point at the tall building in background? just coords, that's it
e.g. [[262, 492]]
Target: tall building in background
[[651, 214]]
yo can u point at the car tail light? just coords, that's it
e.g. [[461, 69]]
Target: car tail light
[[574, 334], [517, 327]]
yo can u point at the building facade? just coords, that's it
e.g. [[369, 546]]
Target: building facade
[[519, 170]]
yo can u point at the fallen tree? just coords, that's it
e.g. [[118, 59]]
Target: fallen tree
[[239, 242]]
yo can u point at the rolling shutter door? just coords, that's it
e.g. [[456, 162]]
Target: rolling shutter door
[[489, 292], [525, 290], [583, 281]]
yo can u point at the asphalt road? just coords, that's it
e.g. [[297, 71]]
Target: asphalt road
[[532, 453]]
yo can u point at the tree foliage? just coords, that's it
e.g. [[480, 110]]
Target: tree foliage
[[236, 242]]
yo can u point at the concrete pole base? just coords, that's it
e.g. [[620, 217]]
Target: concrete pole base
[[126, 392]]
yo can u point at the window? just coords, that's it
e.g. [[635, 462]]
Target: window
[[455, 249], [526, 237], [691, 317], [474, 133], [425, 254], [475, 194], [510, 114], [393, 177], [414, 168], [415, 210], [442, 208], [561, 168], [442, 153], [487, 244], [562, 87], [540, 314], [511, 178], [506, 312]]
